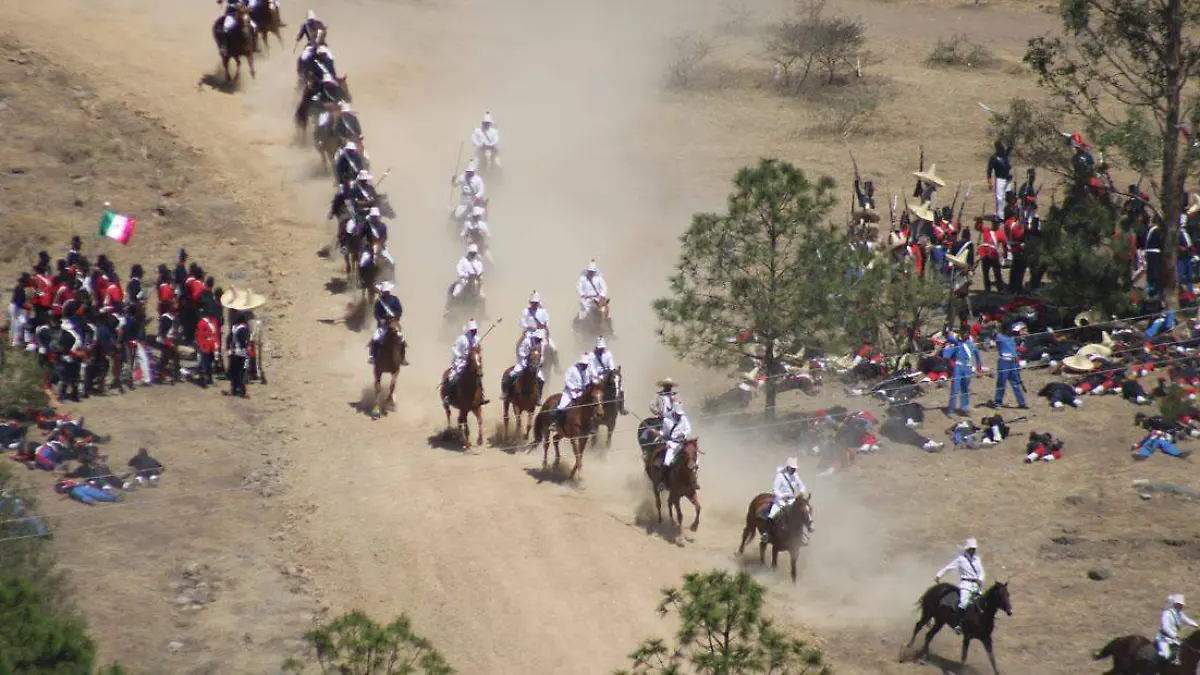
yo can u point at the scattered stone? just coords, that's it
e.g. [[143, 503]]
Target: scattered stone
[[203, 594], [183, 599], [1171, 541], [1065, 541], [290, 570], [174, 646], [1075, 499], [192, 570], [1099, 574]]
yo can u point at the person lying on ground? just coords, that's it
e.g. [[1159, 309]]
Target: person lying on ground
[[895, 430], [1060, 394], [84, 493], [1157, 441]]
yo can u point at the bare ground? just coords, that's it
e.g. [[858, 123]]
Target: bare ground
[[506, 572]]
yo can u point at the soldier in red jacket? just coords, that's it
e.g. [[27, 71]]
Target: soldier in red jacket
[[208, 343]]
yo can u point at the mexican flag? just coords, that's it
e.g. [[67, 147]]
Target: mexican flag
[[116, 226]]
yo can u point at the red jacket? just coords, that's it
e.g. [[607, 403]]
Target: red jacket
[[991, 244], [192, 289], [43, 291], [208, 335], [166, 292]]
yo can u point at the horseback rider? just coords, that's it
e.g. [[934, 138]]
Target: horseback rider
[[676, 430], [470, 185], [312, 30], [350, 152], [575, 381], [475, 229], [377, 233], [232, 7], [1167, 639], [487, 137], [533, 338], [786, 488], [387, 308], [458, 358], [665, 400], [601, 362], [592, 289], [536, 317], [470, 267], [970, 578]]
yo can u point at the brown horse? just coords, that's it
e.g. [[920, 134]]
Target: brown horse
[[681, 480], [236, 45], [466, 394], [522, 394], [613, 405], [787, 531], [577, 423], [266, 17], [596, 322], [388, 359], [940, 603], [1136, 655]]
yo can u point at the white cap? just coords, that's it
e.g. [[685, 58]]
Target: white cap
[[487, 117], [792, 463], [363, 174], [971, 543], [583, 360], [599, 343], [1175, 599], [310, 16], [472, 248], [1018, 327], [470, 166], [592, 265], [539, 334], [536, 297], [344, 106], [386, 287], [478, 211], [471, 325], [374, 212]]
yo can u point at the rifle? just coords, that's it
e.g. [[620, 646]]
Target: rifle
[[917, 192], [954, 202], [893, 210], [963, 206], [858, 195]]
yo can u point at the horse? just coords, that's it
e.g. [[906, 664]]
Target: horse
[[522, 395], [470, 301], [788, 530], [681, 480], [577, 423], [236, 45], [1136, 655], [388, 358], [595, 322], [266, 16], [612, 407], [940, 603], [317, 92], [466, 395], [333, 128]]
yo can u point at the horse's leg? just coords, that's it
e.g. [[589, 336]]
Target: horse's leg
[[479, 424], [937, 625], [695, 500], [577, 445], [987, 647], [446, 407], [608, 441], [658, 502], [762, 553], [378, 389], [793, 554], [392, 390], [966, 639], [918, 626], [506, 404], [774, 556], [250, 62], [746, 535]]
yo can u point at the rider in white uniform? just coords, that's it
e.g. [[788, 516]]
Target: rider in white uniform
[[533, 338], [470, 186], [459, 353], [676, 430], [592, 288], [1167, 639], [476, 228], [970, 578], [534, 317], [575, 381], [487, 137], [470, 266]]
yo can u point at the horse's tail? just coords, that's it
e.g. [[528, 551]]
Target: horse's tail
[[1107, 650], [541, 426]]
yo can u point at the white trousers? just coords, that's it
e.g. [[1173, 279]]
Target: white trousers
[[776, 507], [1001, 188], [1165, 645], [567, 399], [143, 360], [520, 368], [967, 590], [18, 319], [672, 450]]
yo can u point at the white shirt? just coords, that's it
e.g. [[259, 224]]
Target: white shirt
[[471, 187], [1172, 619], [677, 430], [462, 347], [470, 226], [664, 404], [601, 363], [787, 487], [525, 348], [592, 288], [489, 138], [470, 268], [535, 320], [575, 380], [968, 569]]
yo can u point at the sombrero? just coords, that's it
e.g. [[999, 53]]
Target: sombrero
[[930, 176], [665, 382], [960, 260], [1079, 363], [1103, 351], [922, 211], [1194, 205], [1086, 318], [242, 299], [896, 239]]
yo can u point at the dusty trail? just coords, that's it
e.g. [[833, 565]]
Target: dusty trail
[[506, 574]]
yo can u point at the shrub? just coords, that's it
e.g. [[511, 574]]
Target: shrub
[[960, 52]]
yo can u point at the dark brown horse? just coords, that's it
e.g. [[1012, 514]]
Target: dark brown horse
[[236, 45], [940, 603], [388, 359], [266, 17], [613, 405], [522, 394], [682, 480], [577, 425], [1136, 655], [788, 531], [466, 394]]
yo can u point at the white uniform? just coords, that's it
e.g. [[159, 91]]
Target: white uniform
[[535, 319], [601, 363], [786, 488], [458, 353], [470, 188], [575, 381], [523, 351], [467, 268], [675, 431], [664, 404], [970, 577], [590, 290], [486, 139], [471, 226], [1168, 633]]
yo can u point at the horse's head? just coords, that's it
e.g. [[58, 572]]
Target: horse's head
[[245, 24], [602, 307], [345, 89], [997, 598], [393, 325], [475, 359], [612, 384]]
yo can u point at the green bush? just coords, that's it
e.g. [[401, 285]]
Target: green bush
[[34, 636], [21, 379], [354, 644]]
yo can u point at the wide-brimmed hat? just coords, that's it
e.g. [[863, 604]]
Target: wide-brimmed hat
[[922, 211], [960, 260], [792, 463], [1080, 363], [1175, 599], [665, 382], [1101, 350], [241, 299], [970, 544], [930, 176]]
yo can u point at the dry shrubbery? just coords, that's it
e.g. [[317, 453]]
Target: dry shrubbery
[[846, 110], [813, 42], [960, 52]]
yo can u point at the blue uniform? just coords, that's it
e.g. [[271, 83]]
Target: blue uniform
[[1008, 369], [965, 356]]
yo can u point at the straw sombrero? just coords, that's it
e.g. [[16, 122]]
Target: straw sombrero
[[960, 260], [1103, 351], [922, 211], [1079, 363], [930, 176], [1086, 318], [241, 299], [896, 240]]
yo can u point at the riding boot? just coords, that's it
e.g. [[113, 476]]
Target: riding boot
[[764, 528], [371, 349], [483, 394], [404, 359]]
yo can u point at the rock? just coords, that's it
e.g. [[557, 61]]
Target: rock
[[290, 570], [192, 570], [174, 646], [203, 594], [1075, 499], [183, 599], [1065, 541], [1099, 574]]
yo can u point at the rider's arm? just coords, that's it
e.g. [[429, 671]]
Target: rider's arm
[[950, 567]]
